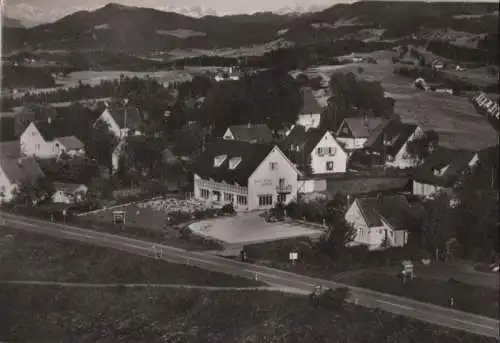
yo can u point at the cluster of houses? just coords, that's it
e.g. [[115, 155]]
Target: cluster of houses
[[38, 132], [252, 168], [487, 105]]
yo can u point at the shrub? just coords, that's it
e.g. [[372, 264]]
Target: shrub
[[333, 299], [227, 209]]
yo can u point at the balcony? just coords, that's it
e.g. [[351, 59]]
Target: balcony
[[284, 189]]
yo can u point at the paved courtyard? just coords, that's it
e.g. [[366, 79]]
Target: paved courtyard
[[249, 228]]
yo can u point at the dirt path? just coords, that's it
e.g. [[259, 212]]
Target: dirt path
[[135, 285]]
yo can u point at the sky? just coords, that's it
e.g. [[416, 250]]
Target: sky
[[39, 11]]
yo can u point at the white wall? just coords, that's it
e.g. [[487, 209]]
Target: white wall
[[319, 162], [403, 159], [311, 185], [424, 189], [309, 120], [33, 144], [228, 134], [370, 236], [7, 189], [264, 180]]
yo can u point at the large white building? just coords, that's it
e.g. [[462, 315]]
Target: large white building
[[249, 176]]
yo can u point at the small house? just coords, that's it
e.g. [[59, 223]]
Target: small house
[[252, 133], [69, 193]]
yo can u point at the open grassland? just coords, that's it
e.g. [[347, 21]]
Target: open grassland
[[190, 316], [30, 256]]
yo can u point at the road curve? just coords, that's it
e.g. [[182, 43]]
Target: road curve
[[423, 311]]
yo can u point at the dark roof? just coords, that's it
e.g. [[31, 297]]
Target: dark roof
[[10, 149], [19, 170], [251, 157], [68, 187], [456, 161], [360, 127], [259, 133], [54, 129], [71, 142], [310, 103], [132, 114], [395, 132], [395, 210], [306, 140]]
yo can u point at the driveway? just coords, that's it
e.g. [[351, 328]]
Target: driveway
[[249, 228]]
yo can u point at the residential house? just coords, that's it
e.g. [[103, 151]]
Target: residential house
[[252, 133], [389, 143], [122, 121], [249, 176], [15, 171], [49, 139], [228, 74], [310, 112], [315, 148], [442, 170], [69, 193], [354, 131], [382, 221]]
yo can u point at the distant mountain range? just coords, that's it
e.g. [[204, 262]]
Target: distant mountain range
[[132, 29]]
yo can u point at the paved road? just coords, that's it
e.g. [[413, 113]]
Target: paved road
[[274, 277]]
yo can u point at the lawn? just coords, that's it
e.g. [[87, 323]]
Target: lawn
[[190, 316], [148, 220], [30, 256], [473, 299]]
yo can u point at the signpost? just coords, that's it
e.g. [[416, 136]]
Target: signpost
[[119, 217], [293, 256], [408, 271], [64, 213]]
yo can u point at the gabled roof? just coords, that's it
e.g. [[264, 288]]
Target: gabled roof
[[310, 103], [70, 142], [259, 133], [305, 139], [19, 170], [252, 156], [130, 114], [360, 127], [456, 161], [393, 131], [10, 149], [51, 130], [394, 210]]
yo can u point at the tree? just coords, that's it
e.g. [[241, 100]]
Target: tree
[[30, 193], [101, 144]]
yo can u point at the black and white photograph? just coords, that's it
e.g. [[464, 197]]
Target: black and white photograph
[[228, 171]]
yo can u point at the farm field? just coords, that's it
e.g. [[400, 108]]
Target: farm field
[[33, 257], [192, 316]]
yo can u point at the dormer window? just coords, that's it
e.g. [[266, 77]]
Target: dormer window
[[234, 162], [440, 171], [218, 160]]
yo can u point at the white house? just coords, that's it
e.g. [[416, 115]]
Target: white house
[[390, 141], [381, 222], [14, 171], [310, 112], [442, 170], [353, 132], [49, 139], [315, 148], [122, 121], [253, 133], [69, 193], [249, 176]]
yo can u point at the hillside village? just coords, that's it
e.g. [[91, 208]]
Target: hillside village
[[303, 150]]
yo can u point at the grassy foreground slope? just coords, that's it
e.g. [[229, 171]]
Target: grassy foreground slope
[[34, 257], [158, 315]]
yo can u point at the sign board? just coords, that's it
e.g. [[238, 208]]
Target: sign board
[[294, 256], [119, 217]]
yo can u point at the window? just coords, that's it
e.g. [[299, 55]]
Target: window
[[234, 162], [37, 146], [282, 198], [273, 166], [320, 151], [205, 193], [241, 199], [218, 160], [329, 165], [332, 151], [228, 197], [265, 200]]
